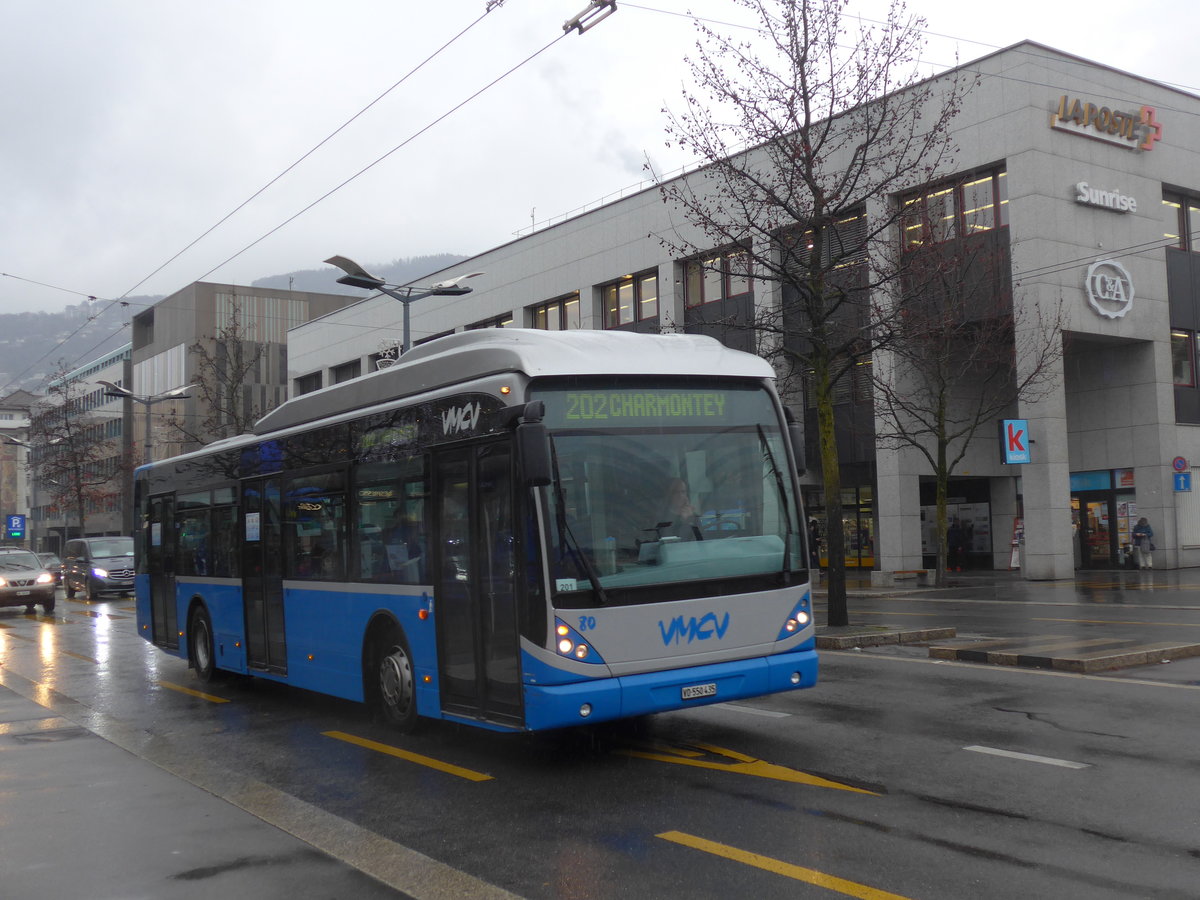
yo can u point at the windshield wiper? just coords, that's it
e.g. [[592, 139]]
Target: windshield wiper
[[787, 544], [564, 529]]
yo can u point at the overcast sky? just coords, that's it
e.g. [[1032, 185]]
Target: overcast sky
[[131, 127]]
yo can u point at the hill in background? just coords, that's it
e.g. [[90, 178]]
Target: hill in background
[[34, 346]]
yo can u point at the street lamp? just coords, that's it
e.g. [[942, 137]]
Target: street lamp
[[115, 390], [357, 276]]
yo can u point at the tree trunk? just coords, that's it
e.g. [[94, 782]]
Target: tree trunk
[[837, 609]]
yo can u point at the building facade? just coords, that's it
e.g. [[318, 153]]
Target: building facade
[[1085, 180], [213, 318]]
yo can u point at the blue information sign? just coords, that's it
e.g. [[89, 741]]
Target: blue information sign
[[15, 529], [1014, 441], [1183, 481]]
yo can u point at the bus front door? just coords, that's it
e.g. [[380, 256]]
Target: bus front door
[[262, 576], [475, 583], [160, 552]]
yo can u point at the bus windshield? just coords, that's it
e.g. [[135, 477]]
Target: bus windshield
[[664, 484]]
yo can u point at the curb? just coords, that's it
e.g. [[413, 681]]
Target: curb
[[875, 636], [1086, 663]]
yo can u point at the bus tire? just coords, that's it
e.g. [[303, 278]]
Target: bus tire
[[395, 685], [200, 645]]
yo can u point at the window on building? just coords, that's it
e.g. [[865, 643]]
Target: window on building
[[1182, 221], [346, 371], [1183, 357], [955, 209], [502, 321], [562, 314], [632, 299], [717, 277], [306, 384]]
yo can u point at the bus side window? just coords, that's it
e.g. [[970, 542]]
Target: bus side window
[[390, 521], [315, 527]]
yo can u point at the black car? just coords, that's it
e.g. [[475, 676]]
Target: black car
[[24, 581], [96, 566]]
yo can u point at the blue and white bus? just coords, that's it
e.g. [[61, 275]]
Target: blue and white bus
[[508, 528]]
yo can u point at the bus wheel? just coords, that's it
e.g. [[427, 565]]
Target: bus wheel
[[200, 645], [395, 685]]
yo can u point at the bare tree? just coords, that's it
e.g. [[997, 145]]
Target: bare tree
[[74, 461], [951, 365], [227, 367], [837, 121]]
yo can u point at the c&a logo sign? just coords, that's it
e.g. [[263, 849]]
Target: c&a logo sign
[[1109, 288]]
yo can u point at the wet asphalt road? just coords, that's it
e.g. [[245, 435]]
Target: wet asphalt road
[[897, 776]]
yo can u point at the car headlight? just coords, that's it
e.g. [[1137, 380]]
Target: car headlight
[[45, 578], [100, 573]]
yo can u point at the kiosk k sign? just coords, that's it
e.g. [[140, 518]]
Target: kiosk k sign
[[1014, 441]]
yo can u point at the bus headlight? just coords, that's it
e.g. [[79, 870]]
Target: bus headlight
[[800, 619], [571, 644]]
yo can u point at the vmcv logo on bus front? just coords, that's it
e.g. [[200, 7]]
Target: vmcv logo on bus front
[[704, 628]]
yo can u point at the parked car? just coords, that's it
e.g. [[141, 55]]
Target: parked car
[[96, 566], [24, 581], [53, 565]]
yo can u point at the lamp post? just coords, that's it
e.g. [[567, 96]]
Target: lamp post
[[115, 390], [357, 276]]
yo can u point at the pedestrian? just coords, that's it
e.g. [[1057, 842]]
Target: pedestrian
[[1142, 545], [814, 542]]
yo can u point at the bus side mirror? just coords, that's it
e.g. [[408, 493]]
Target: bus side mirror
[[533, 450]]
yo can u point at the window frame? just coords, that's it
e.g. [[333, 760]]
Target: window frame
[[637, 300], [558, 309], [725, 269], [922, 225]]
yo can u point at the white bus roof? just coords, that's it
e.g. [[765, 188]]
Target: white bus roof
[[470, 355]]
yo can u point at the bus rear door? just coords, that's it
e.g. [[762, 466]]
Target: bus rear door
[[160, 552], [262, 576], [474, 580]]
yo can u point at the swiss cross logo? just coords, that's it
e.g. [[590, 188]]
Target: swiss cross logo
[[1014, 441]]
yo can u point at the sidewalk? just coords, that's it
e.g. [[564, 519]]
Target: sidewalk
[[84, 818], [1122, 644]]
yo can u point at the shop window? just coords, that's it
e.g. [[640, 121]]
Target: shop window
[[632, 299], [558, 315], [952, 210]]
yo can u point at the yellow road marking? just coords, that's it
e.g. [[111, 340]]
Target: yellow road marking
[[429, 761], [788, 870], [741, 765], [190, 692]]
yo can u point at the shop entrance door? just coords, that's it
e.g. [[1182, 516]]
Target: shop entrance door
[[1096, 533]]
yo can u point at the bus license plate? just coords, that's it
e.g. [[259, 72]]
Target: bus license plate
[[692, 691]]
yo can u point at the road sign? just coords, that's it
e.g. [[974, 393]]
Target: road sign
[[15, 528], [1183, 481], [1179, 464]]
